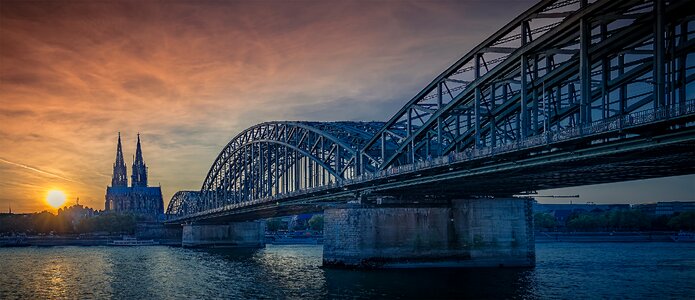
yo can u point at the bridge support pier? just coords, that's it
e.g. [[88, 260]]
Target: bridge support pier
[[239, 234], [486, 232]]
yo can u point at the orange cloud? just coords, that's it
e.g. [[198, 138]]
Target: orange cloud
[[190, 75]]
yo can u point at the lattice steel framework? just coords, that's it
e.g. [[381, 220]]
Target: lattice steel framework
[[559, 65], [184, 203], [282, 157]]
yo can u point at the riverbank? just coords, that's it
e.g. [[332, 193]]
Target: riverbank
[[51, 241], [590, 237], [48, 241], [541, 237]]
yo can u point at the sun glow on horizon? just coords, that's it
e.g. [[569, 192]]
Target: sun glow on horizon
[[55, 198]]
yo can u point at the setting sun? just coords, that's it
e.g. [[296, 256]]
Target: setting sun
[[55, 198]]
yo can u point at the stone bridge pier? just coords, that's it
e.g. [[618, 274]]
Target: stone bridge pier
[[236, 234], [483, 232]]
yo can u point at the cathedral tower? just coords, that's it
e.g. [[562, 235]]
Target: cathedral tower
[[139, 168], [120, 176], [138, 198]]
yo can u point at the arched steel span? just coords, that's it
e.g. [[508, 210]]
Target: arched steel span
[[561, 64], [281, 157], [184, 203]]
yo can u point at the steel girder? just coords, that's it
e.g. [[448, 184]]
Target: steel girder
[[276, 158], [183, 203], [528, 78]]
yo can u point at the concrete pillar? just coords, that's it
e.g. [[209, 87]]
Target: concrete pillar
[[240, 234], [467, 233]]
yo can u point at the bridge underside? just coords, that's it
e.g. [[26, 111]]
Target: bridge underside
[[670, 154]]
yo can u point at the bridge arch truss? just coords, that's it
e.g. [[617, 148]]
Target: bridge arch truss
[[184, 203], [276, 158]]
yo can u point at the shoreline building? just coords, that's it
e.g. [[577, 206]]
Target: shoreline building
[[665, 208], [138, 199]]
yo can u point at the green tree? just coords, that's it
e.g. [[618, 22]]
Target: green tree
[[273, 224], [587, 222], [683, 221], [111, 222], [300, 226], [544, 221], [660, 223], [316, 222], [628, 220]]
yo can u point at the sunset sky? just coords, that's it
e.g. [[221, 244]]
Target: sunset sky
[[190, 75]]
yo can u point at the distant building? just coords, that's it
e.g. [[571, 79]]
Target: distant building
[[665, 208], [139, 198], [76, 212]]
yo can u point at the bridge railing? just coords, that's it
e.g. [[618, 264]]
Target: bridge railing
[[627, 121], [566, 134]]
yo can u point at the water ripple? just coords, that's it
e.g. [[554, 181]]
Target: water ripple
[[563, 271]]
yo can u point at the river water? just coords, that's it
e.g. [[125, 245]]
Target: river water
[[563, 271]]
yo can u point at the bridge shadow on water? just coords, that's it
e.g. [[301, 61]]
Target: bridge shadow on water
[[295, 271], [430, 283]]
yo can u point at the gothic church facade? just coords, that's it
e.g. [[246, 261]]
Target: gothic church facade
[[138, 199]]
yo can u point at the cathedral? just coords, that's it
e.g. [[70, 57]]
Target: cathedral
[[138, 199]]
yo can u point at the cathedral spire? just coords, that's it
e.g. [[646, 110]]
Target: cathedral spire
[[139, 168], [138, 151], [120, 176]]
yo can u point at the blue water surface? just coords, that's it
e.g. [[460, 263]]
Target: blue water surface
[[563, 271]]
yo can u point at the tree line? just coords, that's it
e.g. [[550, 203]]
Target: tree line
[[276, 224], [617, 220], [46, 222]]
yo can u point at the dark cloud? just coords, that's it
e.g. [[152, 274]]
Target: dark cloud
[[15, 113]]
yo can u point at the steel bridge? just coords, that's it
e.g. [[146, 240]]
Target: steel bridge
[[568, 93]]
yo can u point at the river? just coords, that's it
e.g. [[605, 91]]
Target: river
[[563, 271]]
